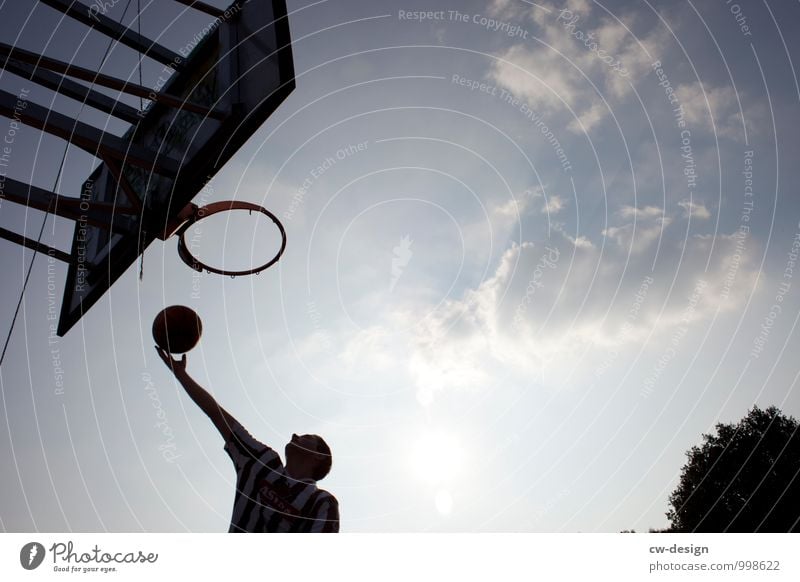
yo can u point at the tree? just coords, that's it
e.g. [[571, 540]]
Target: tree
[[744, 478]]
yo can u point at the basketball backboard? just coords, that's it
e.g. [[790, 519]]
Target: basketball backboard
[[232, 81]]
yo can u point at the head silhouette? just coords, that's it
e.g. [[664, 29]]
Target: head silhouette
[[308, 457]]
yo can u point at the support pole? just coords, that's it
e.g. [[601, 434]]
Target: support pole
[[35, 245], [202, 7], [101, 214], [93, 16], [60, 84], [85, 136], [43, 62]]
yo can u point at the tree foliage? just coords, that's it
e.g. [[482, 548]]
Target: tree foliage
[[745, 477]]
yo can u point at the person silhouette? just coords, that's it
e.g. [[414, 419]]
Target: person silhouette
[[270, 497]]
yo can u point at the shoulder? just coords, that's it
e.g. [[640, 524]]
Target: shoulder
[[326, 513], [243, 446], [241, 437], [326, 498], [325, 494]]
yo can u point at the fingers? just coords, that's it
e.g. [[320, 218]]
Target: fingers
[[165, 357], [172, 363], [179, 366], [162, 354]]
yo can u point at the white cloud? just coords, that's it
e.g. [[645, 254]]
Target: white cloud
[[698, 111], [694, 209], [579, 6], [506, 8], [588, 119], [505, 214], [716, 110], [559, 75], [540, 77], [473, 341], [554, 204], [637, 238], [581, 241], [651, 212], [647, 227], [550, 204], [545, 305]]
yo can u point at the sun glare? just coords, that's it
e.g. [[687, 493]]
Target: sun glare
[[436, 456], [444, 502]]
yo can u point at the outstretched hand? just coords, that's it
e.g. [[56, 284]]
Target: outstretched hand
[[177, 366]]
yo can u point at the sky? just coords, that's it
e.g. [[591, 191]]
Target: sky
[[535, 251]]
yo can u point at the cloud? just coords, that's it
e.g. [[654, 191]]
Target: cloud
[[648, 212], [549, 309], [507, 8], [539, 76], [581, 241], [716, 110], [698, 112], [576, 50], [588, 119], [579, 6], [548, 204], [554, 204], [647, 227], [507, 213], [694, 209], [516, 324], [648, 224]]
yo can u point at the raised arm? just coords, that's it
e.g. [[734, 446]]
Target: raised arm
[[218, 415]]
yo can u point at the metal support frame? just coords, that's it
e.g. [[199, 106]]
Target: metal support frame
[[35, 245], [101, 214], [60, 84], [86, 212], [119, 223], [53, 74], [86, 137], [43, 62], [122, 182], [203, 7], [93, 17]]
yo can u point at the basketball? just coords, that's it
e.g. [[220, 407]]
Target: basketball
[[177, 329]]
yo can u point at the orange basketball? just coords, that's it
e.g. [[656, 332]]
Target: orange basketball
[[177, 329]]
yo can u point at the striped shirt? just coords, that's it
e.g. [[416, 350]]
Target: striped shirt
[[268, 499]]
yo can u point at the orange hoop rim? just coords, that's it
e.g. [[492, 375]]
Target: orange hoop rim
[[216, 208]]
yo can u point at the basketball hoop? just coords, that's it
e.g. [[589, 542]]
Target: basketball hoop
[[216, 208]]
